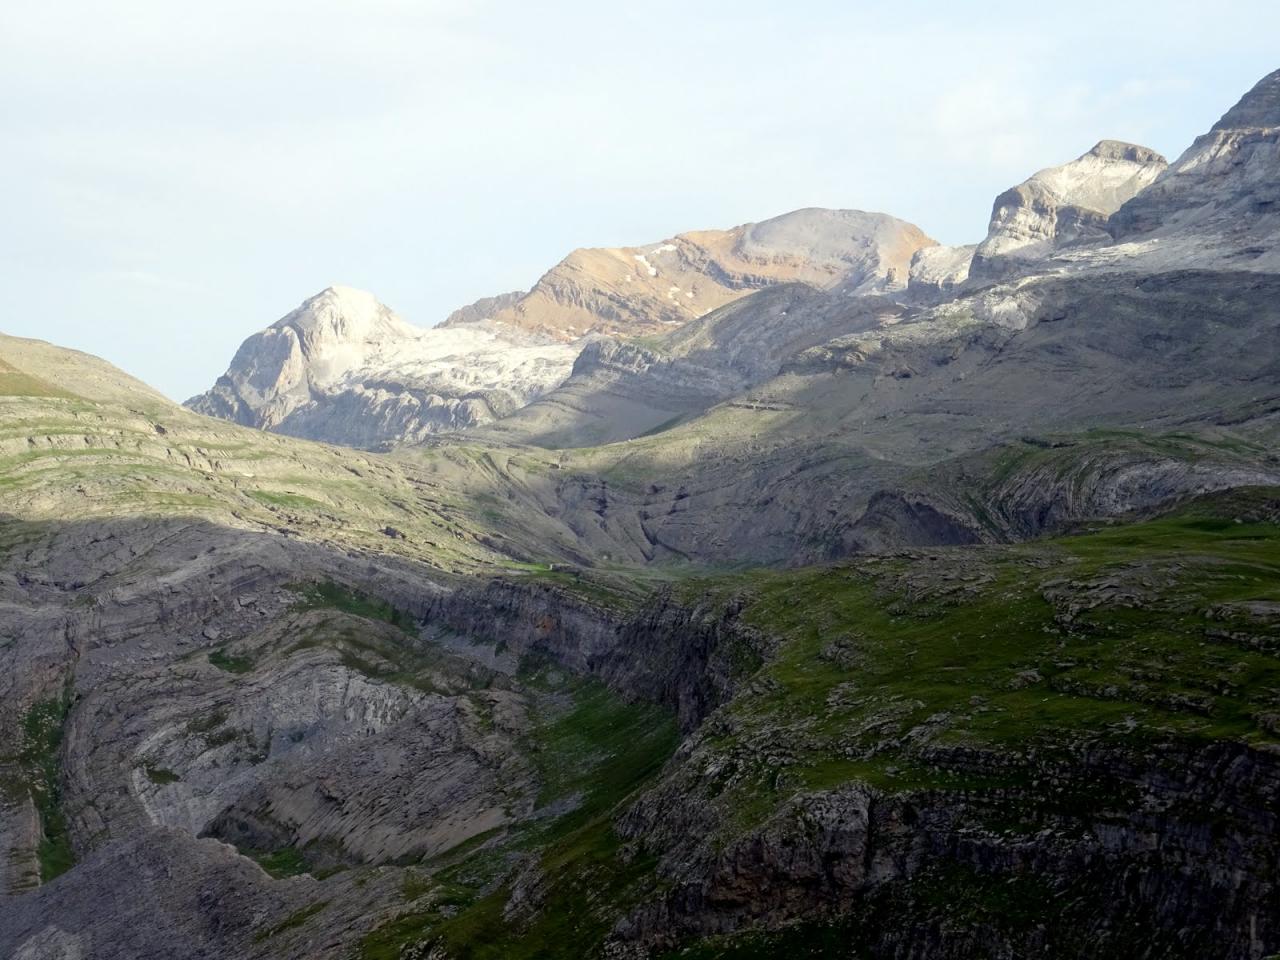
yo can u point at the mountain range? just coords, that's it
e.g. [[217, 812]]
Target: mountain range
[[600, 315], [343, 368], [804, 588]]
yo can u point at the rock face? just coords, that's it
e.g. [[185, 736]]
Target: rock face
[[859, 854], [1222, 195], [483, 309], [620, 390], [940, 269], [344, 368], [630, 291], [617, 390], [184, 898], [1063, 205], [1044, 487], [207, 703]]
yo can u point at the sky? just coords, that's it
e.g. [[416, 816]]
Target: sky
[[176, 176]]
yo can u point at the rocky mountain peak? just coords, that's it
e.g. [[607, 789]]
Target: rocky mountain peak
[[1222, 195], [1100, 180], [1062, 205], [1120, 150], [1260, 107], [644, 290], [483, 309], [344, 368], [341, 315], [349, 298], [854, 244]]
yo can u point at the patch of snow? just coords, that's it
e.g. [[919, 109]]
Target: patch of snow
[[644, 261]]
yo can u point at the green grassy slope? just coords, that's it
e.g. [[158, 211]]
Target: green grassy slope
[[1162, 631]]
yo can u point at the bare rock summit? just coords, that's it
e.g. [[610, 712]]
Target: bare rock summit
[[1064, 205], [1220, 200], [649, 289], [344, 368]]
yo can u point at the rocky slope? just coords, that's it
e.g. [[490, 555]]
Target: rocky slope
[[940, 270], [616, 392], [1218, 203], [212, 633], [343, 368], [863, 803]]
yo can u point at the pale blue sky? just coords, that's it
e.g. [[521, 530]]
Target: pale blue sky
[[177, 175]]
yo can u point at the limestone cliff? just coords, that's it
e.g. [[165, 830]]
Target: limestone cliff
[[344, 368]]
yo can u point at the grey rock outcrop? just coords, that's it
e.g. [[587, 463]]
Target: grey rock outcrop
[[344, 368], [186, 898], [1063, 205], [858, 853], [1220, 200], [616, 391], [940, 270], [1047, 486], [623, 390], [483, 309]]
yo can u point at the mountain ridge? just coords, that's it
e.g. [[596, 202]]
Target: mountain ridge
[[342, 366], [636, 291]]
